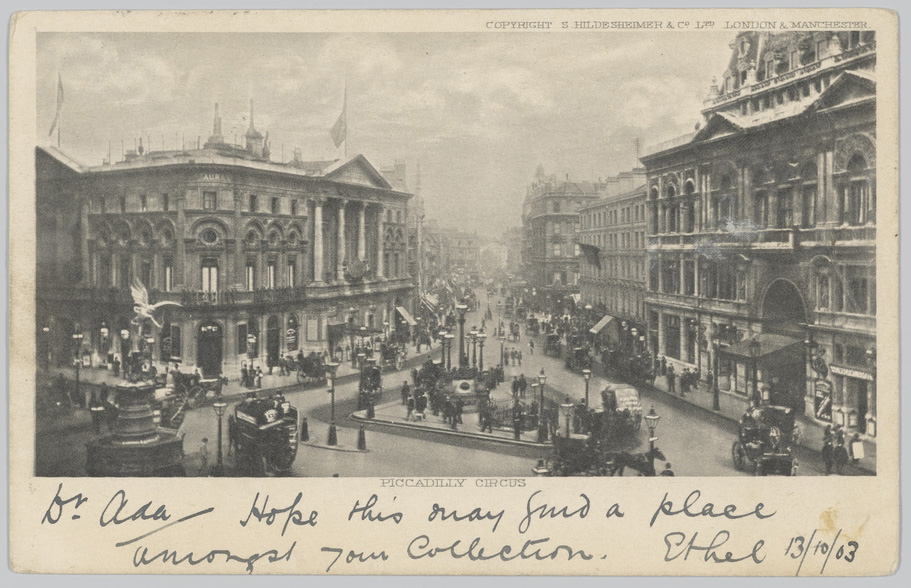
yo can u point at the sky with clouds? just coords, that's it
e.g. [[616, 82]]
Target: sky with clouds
[[478, 112]]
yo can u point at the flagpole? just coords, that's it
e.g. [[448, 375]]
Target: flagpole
[[345, 106]]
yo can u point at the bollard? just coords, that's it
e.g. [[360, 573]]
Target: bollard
[[305, 431], [362, 439], [371, 411]]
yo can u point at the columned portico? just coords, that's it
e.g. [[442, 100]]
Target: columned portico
[[318, 240], [361, 232], [380, 242], [340, 263]]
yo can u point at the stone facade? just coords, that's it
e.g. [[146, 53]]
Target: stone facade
[[264, 258], [762, 226]]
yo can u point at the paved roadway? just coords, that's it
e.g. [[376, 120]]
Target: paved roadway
[[695, 441]]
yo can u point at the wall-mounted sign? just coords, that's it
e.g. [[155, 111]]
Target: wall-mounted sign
[[851, 372]]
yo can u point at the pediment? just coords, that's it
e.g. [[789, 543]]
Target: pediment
[[358, 171], [848, 87], [718, 126]]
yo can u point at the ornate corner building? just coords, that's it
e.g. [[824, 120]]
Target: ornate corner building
[[762, 228], [266, 259], [550, 222]]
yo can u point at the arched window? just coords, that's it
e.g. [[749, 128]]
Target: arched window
[[856, 195], [760, 201], [672, 209]]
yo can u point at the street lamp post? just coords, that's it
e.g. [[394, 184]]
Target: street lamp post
[[587, 374], [473, 334], [442, 338], [449, 339], [567, 408], [716, 394], [102, 351], [502, 339], [542, 426], [331, 369], [77, 343], [220, 411], [462, 310], [46, 332], [124, 336], [755, 350], [651, 421], [481, 338]]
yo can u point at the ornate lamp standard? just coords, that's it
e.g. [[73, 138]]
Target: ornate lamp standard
[[755, 350], [473, 334], [46, 333], [124, 336], [105, 333], [587, 374], [463, 360], [385, 330], [567, 409], [502, 339], [449, 339], [77, 363], [219, 408], [331, 369], [651, 421], [481, 338], [716, 394], [542, 426]]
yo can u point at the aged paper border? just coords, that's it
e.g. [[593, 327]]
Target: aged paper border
[[35, 549]]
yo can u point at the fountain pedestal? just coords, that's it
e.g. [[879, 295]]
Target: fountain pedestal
[[137, 446]]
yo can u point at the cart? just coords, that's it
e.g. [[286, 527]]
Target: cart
[[263, 434], [766, 441]]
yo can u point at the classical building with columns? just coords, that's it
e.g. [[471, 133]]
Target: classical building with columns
[[265, 259], [762, 228]]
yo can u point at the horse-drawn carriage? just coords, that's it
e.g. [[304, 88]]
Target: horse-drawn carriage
[[393, 355], [263, 434], [578, 358], [370, 387], [532, 326], [766, 442], [552, 345], [311, 369]]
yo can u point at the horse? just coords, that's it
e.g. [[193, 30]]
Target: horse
[[644, 463]]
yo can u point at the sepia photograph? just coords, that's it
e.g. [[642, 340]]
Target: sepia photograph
[[455, 292], [463, 254]]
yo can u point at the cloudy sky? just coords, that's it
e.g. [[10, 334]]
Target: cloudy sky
[[478, 112]]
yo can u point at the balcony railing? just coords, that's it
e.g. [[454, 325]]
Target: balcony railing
[[769, 239]]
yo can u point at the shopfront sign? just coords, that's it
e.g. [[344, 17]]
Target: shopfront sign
[[851, 372], [822, 405]]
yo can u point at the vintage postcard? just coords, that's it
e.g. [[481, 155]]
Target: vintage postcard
[[544, 292]]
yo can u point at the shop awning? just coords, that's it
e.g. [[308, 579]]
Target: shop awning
[[430, 302], [406, 315], [601, 324], [769, 343]]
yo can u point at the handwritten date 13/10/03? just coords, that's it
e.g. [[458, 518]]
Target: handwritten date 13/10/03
[[799, 547]]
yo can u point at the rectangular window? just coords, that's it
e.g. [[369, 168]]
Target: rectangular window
[[275, 205], [143, 203], [103, 205], [292, 271], [785, 209], [313, 329], [209, 200], [250, 275], [270, 275], [145, 273], [165, 202], [672, 335], [556, 250], [857, 294], [168, 274], [254, 203], [294, 207], [210, 275]]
